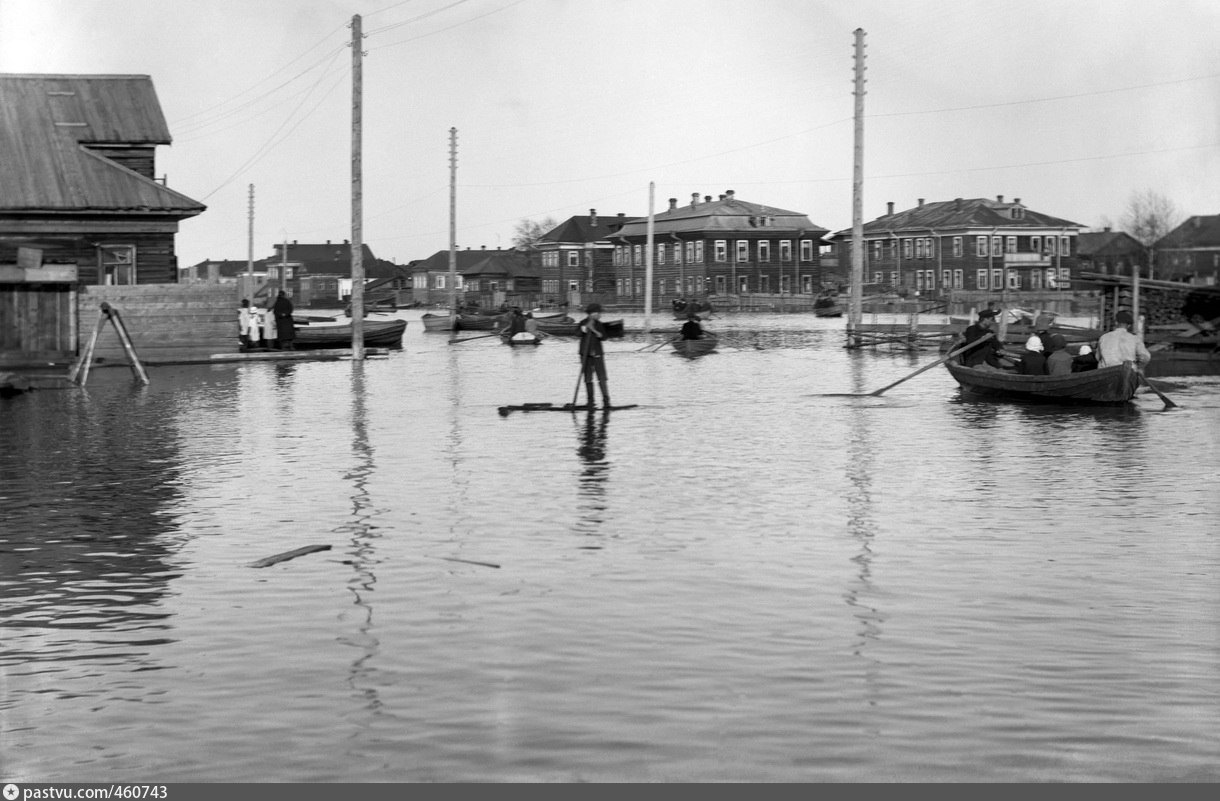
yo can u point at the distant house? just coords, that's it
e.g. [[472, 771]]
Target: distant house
[[578, 255], [1191, 252], [502, 277], [1108, 252], [430, 277], [971, 244], [717, 247], [78, 177]]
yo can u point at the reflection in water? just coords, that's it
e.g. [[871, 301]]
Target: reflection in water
[[363, 533], [591, 485], [860, 522]]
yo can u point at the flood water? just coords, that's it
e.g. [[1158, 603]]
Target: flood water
[[745, 578]]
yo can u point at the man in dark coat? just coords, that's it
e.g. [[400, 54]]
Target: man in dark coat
[[285, 330], [592, 357], [987, 353], [691, 329]]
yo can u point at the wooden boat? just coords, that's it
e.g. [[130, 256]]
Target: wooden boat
[[567, 327], [439, 322], [828, 307], [1107, 386], [377, 334], [695, 347], [480, 322], [520, 338]]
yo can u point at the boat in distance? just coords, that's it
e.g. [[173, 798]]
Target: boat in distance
[[377, 334], [695, 347], [1105, 386]]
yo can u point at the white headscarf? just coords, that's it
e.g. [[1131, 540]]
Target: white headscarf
[[1034, 343]]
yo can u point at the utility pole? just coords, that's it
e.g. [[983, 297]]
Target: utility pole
[[357, 304], [648, 248], [248, 294], [857, 198], [453, 229]]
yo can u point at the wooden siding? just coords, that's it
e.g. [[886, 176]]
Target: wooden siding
[[36, 323], [167, 322]]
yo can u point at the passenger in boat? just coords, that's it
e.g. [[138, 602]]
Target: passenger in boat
[[285, 327], [1059, 362], [531, 325], [1119, 345], [691, 329], [592, 357], [1085, 359], [987, 355], [1033, 360]]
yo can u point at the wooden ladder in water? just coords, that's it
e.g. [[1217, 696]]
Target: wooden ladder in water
[[80, 369]]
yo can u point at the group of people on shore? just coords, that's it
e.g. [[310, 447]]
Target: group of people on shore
[[1046, 353], [269, 328]]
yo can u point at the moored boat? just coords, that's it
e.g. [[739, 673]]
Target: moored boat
[[567, 327], [1106, 386], [439, 322], [695, 347], [377, 334]]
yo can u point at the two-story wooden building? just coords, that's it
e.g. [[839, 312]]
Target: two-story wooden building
[[1191, 252], [718, 247], [575, 259], [973, 244]]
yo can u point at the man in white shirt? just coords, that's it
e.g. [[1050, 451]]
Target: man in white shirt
[[1120, 345]]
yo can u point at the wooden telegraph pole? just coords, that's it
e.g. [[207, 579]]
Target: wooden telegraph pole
[[857, 201], [648, 251], [453, 306], [357, 225], [248, 294]]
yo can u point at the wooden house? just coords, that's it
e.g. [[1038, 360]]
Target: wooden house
[[430, 276], [80, 203], [1191, 252], [576, 258], [1108, 252], [717, 247]]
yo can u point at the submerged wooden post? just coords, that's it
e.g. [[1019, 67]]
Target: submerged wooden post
[[125, 340]]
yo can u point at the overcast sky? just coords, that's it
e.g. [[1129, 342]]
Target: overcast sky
[[566, 105]]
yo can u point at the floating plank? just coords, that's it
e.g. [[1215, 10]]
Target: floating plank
[[567, 407], [286, 555]]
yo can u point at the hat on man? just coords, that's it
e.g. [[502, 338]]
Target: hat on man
[[988, 313], [593, 307], [1124, 317]]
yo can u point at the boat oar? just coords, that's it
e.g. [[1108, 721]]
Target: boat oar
[[941, 360], [1164, 398], [456, 340], [663, 344]]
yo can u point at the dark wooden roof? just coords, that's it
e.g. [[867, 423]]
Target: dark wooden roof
[[511, 265], [1107, 243], [582, 229], [727, 214], [1202, 230], [49, 122], [960, 214], [438, 262]]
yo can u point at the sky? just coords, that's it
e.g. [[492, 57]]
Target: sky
[[562, 106]]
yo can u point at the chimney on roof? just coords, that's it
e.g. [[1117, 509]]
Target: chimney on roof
[[707, 198], [1017, 200], [621, 216], [673, 204], [957, 203], [722, 197], [294, 243], [694, 199], [482, 247], [1106, 230], [346, 242], [921, 203], [730, 193], [999, 198], [889, 207], [593, 217], [328, 241]]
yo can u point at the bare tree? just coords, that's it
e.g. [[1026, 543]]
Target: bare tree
[[529, 232], [1148, 218]]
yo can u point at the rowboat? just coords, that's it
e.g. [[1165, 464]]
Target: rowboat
[[480, 322], [520, 338], [377, 334], [438, 322], [695, 347], [827, 307], [567, 327], [1106, 386]]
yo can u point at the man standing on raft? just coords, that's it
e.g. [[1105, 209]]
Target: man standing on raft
[[592, 358]]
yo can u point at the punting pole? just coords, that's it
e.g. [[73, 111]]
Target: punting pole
[[357, 251], [857, 199]]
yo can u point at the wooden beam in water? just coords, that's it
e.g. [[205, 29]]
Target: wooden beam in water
[[286, 555]]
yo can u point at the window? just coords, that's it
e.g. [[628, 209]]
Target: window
[[677, 253], [959, 279], [995, 245], [1010, 244], [573, 258], [720, 284], [440, 282], [785, 250], [1035, 279], [906, 248], [743, 284], [764, 251], [877, 250], [743, 250], [1065, 278], [690, 252], [1014, 279], [806, 250], [946, 278], [1065, 246], [116, 264], [997, 279], [980, 249], [980, 278], [636, 254], [957, 247], [1035, 244], [721, 250], [878, 277], [660, 254], [1048, 246], [699, 252], [764, 283], [930, 247]]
